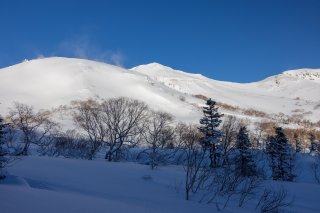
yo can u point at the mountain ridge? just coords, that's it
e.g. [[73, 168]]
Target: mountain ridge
[[50, 82]]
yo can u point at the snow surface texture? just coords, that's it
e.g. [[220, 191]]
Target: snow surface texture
[[43, 184], [91, 186], [50, 82]]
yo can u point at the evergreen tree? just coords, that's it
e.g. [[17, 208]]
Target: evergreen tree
[[313, 143], [271, 149], [297, 142], [280, 153], [209, 128], [245, 164], [3, 150]]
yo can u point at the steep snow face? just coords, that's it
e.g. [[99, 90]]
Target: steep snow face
[[51, 82]]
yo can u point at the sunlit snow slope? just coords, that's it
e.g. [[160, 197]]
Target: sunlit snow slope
[[51, 82], [289, 92]]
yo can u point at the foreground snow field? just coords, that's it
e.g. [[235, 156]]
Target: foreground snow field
[[64, 185], [45, 185]]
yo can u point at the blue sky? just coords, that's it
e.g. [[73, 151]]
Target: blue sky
[[240, 41]]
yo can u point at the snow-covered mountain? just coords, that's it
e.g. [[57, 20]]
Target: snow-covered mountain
[[51, 82], [289, 92]]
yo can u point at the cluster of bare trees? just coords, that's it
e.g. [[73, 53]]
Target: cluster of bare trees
[[32, 127], [113, 125], [121, 123]]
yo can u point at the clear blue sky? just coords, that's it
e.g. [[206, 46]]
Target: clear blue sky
[[240, 41]]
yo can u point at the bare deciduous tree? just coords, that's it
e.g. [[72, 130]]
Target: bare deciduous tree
[[224, 183], [34, 126], [196, 174], [124, 120], [273, 201], [114, 122], [229, 129], [248, 189], [89, 117], [158, 133]]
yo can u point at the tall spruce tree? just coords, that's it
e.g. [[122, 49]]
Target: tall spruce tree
[[280, 153], [245, 164], [209, 128]]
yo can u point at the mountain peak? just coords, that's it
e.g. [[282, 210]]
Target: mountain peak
[[154, 66], [306, 74], [156, 70]]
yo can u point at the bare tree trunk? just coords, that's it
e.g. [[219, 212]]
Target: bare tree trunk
[[108, 156], [25, 150], [213, 156]]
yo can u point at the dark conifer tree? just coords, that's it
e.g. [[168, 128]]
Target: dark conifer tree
[[245, 164], [271, 149], [209, 128], [280, 153], [313, 143], [297, 142]]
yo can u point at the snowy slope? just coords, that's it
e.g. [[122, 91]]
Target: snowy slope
[[39, 185], [43, 184], [286, 92], [51, 82], [302, 83]]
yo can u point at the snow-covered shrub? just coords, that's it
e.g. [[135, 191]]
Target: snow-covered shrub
[[272, 201]]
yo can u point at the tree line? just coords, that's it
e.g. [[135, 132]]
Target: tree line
[[220, 156]]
